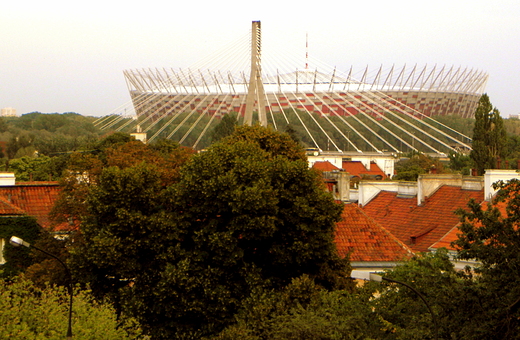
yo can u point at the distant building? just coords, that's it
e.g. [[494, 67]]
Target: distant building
[[8, 112], [515, 116]]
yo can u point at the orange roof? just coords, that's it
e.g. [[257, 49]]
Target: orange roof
[[33, 198], [446, 240], [7, 208], [325, 166], [366, 239], [453, 234], [420, 227], [356, 168], [376, 170]]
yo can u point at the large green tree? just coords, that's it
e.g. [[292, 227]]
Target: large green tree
[[491, 236], [246, 213], [489, 136]]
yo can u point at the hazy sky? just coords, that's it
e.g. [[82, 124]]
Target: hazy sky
[[68, 56]]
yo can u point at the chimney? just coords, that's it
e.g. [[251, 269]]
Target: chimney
[[7, 178]]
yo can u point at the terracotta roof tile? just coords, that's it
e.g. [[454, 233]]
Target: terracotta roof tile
[[420, 227], [376, 170], [7, 208], [325, 166], [447, 239], [34, 198], [356, 168], [365, 239], [453, 234]]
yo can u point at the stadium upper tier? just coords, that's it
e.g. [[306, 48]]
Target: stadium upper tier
[[426, 90], [366, 110]]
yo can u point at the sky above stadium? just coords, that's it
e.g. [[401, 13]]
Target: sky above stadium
[[69, 56]]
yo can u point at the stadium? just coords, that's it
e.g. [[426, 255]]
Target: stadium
[[364, 111]]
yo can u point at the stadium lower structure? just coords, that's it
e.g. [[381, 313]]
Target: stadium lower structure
[[327, 103]]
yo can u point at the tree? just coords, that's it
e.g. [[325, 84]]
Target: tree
[[304, 310], [246, 213], [489, 136], [491, 236], [19, 145], [289, 129], [417, 164], [119, 150], [405, 315], [513, 148], [224, 128], [460, 162], [24, 227], [42, 168], [30, 312]]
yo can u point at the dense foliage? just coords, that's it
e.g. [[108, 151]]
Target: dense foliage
[[182, 255], [409, 168], [35, 145], [17, 259], [224, 128], [491, 236], [116, 150], [489, 136], [29, 312], [304, 310]]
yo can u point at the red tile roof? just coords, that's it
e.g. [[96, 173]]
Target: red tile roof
[[367, 240], [446, 240], [376, 170], [356, 168], [325, 166], [420, 227], [453, 234], [7, 208], [34, 198]]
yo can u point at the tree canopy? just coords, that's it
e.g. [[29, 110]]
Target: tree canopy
[[30, 312], [489, 136], [491, 236], [183, 255]]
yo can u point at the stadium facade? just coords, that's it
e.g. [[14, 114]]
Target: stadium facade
[[390, 104]]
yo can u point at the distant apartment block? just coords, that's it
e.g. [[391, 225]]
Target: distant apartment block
[[8, 112]]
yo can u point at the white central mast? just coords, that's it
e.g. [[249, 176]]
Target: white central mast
[[255, 93]]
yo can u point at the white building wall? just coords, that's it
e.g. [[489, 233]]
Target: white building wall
[[385, 162], [494, 175], [8, 112]]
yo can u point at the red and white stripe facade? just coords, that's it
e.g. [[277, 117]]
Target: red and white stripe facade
[[417, 91]]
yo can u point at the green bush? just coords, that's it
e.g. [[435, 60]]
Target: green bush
[[32, 313]]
